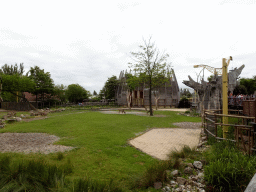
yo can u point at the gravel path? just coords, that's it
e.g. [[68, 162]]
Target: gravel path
[[30, 143]]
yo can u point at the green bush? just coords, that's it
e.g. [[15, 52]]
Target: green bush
[[228, 169]]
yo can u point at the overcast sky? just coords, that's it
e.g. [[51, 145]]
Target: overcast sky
[[86, 42]]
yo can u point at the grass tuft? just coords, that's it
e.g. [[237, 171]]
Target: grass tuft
[[227, 168]]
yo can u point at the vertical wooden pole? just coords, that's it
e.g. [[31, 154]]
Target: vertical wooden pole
[[225, 96]]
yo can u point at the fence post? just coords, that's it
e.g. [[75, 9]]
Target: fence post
[[254, 133], [215, 119]]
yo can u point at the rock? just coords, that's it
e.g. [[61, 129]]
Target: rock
[[173, 182], [158, 185], [198, 165], [190, 165], [188, 170], [181, 180], [175, 173], [22, 116], [166, 189], [193, 178], [201, 175], [18, 119]]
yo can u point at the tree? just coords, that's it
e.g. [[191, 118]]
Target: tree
[[14, 83], [240, 89], [76, 93], [43, 81], [95, 93], [59, 91], [152, 67], [12, 69], [250, 84], [109, 88]]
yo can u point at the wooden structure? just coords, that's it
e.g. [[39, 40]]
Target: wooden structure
[[240, 128], [167, 95]]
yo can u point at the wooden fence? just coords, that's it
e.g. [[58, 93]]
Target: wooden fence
[[241, 128]]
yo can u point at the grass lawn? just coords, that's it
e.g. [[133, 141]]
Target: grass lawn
[[102, 151]]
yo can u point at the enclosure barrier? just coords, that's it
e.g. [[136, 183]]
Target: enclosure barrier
[[240, 128]]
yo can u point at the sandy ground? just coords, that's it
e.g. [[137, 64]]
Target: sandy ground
[[160, 142]]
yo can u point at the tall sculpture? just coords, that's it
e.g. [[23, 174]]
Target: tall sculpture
[[209, 93]]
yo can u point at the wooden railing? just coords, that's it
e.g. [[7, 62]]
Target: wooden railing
[[241, 128]]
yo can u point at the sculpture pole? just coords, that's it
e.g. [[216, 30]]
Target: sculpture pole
[[225, 95]]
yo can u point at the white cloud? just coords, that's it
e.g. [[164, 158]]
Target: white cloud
[[86, 42]]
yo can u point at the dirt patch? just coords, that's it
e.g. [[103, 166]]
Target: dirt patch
[[160, 142], [30, 143]]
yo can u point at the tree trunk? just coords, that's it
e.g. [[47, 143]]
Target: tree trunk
[[150, 102]]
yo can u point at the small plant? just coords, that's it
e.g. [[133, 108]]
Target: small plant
[[155, 172], [60, 156], [186, 152]]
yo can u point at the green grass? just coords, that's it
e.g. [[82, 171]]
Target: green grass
[[102, 151], [228, 169]]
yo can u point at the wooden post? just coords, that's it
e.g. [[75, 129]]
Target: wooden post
[[225, 95]]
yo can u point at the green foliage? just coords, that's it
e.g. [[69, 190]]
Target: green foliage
[[59, 92], [227, 168], [184, 102], [109, 89], [186, 152], [186, 93], [76, 93], [12, 69], [240, 89], [13, 83], [250, 85], [94, 93], [43, 82]]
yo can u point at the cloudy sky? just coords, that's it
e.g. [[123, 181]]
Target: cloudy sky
[[86, 42]]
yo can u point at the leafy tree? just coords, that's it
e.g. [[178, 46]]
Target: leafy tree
[[14, 83], [250, 84], [59, 91], [186, 93], [152, 67], [76, 93], [43, 81], [240, 89], [12, 69], [109, 89], [95, 93]]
